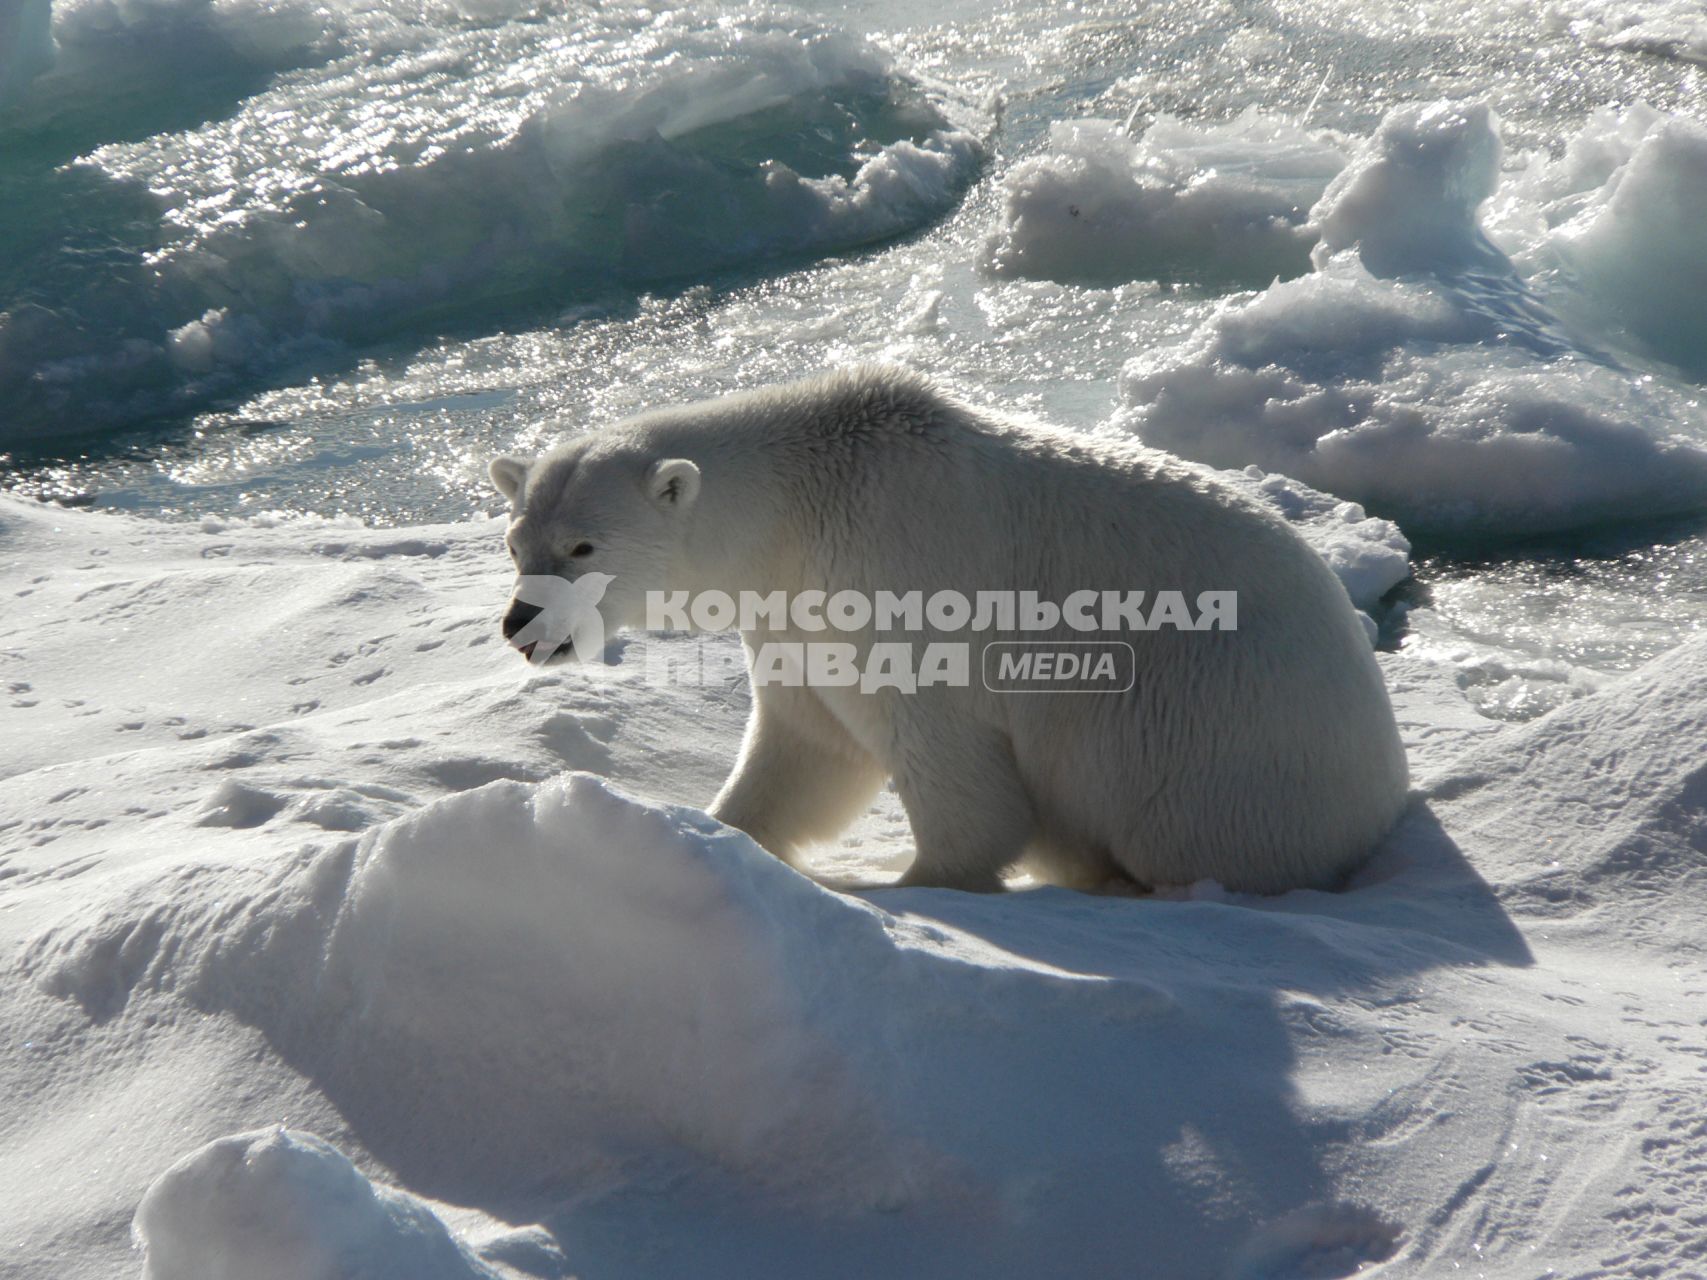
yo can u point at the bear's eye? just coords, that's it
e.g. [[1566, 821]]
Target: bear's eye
[[581, 549]]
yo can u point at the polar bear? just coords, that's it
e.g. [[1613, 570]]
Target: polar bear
[[1263, 755]]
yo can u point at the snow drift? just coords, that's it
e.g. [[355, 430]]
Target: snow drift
[[516, 988]]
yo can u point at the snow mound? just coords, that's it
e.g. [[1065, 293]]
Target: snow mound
[[278, 1205], [547, 975], [1416, 372], [653, 956], [1221, 201]]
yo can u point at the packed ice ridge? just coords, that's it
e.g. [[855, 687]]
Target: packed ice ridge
[[1438, 370]]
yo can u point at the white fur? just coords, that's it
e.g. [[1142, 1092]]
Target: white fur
[[1264, 757]]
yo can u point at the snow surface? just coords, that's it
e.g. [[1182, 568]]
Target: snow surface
[[1421, 368], [341, 942]]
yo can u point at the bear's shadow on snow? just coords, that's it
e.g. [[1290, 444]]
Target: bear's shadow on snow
[[1416, 904], [1163, 1057], [1152, 1044]]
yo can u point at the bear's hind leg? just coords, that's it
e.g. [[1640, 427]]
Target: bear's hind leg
[[800, 777], [969, 810]]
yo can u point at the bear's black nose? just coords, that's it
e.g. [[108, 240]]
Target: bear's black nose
[[519, 616]]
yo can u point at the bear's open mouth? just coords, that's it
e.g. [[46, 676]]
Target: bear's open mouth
[[561, 651]]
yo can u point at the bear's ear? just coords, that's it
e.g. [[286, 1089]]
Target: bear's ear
[[673, 482], [509, 475]]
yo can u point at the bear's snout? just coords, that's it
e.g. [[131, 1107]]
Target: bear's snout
[[518, 616]]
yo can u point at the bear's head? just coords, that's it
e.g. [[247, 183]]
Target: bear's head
[[593, 525]]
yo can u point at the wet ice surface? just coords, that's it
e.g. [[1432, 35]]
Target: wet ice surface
[[429, 166]]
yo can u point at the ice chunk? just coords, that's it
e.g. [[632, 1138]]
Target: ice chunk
[[1663, 28], [1368, 554], [1415, 370], [1219, 201], [1384, 393], [1640, 245], [1408, 201], [564, 155]]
